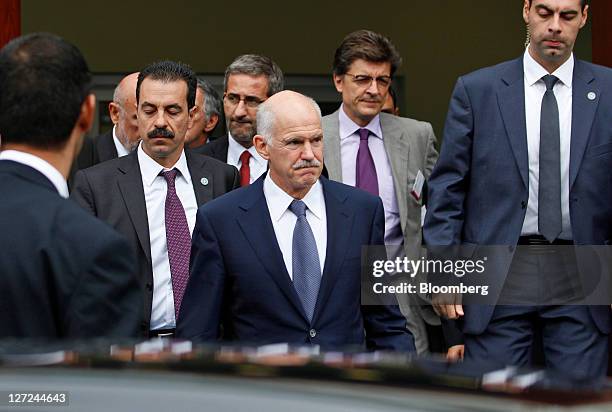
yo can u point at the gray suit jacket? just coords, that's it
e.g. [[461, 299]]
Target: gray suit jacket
[[410, 147]]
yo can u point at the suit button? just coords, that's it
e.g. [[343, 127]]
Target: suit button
[[523, 204], [312, 333], [149, 286]]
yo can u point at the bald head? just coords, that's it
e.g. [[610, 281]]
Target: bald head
[[282, 107], [123, 112], [290, 137]]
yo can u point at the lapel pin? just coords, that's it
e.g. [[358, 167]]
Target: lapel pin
[[204, 181], [591, 96]]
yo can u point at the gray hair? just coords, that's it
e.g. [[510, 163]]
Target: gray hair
[[266, 119], [212, 100], [256, 65]]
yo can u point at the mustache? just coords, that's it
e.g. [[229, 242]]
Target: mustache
[[159, 132], [302, 164]]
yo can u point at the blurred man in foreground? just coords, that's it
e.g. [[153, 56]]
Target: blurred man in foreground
[[64, 273]]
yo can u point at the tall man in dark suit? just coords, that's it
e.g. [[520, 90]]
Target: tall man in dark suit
[[152, 195], [525, 160], [398, 151], [279, 260], [249, 81], [64, 274]]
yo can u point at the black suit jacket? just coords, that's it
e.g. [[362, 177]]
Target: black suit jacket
[[64, 274], [215, 148], [113, 192], [105, 147], [93, 151]]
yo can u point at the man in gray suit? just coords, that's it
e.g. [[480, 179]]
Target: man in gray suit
[[379, 152]]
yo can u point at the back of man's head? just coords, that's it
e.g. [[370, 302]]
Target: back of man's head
[[170, 71], [44, 80], [257, 65], [366, 45]]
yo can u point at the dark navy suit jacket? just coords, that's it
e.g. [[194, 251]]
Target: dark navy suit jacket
[[478, 191], [239, 280], [63, 273]]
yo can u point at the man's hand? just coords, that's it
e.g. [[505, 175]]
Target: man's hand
[[455, 353], [447, 306]]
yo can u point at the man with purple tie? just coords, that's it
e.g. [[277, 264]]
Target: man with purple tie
[[381, 153], [152, 194]]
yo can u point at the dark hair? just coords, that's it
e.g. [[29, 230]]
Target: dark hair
[[257, 65], [366, 45], [170, 71], [44, 80], [212, 101], [583, 3], [393, 96]]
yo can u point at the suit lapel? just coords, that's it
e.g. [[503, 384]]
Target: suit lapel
[[339, 227], [201, 177], [132, 191], [583, 113], [397, 145], [256, 225], [511, 101], [331, 146]]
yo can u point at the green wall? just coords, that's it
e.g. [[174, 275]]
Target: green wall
[[438, 39]]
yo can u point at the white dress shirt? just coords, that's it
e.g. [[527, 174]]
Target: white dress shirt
[[349, 146], [44, 167], [283, 219], [155, 189], [257, 164], [121, 150], [534, 92]]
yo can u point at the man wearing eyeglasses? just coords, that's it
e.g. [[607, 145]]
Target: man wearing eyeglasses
[[378, 152], [249, 81]]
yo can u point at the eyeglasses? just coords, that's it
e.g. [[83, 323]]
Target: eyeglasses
[[363, 80], [249, 101]]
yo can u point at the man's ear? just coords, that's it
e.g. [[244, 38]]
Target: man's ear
[[526, 11], [211, 123], [338, 82], [585, 15], [260, 145], [192, 113], [85, 120], [113, 111]]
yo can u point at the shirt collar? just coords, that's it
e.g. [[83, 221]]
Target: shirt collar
[[41, 165], [121, 150], [278, 200], [235, 149], [534, 71], [150, 169], [348, 127]]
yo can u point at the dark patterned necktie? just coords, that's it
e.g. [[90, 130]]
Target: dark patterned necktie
[[549, 182], [306, 264], [366, 171], [178, 240]]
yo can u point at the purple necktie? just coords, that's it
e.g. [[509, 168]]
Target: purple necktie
[[178, 241], [366, 171]]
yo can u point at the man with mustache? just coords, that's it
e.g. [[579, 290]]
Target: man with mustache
[[279, 260], [525, 161], [381, 153], [152, 194], [249, 81]]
